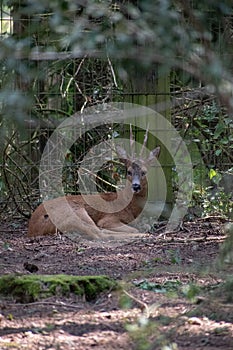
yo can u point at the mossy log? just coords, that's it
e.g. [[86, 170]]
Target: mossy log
[[30, 288]]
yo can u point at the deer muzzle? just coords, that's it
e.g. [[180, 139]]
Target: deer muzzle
[[136, 187]]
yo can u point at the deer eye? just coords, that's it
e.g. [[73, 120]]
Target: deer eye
[[143, 173], [129, 172]]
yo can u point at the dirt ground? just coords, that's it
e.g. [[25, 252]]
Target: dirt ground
[[150, 312]]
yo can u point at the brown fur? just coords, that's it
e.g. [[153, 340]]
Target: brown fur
[[79, 217]]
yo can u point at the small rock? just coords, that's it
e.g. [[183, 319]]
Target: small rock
[[195, 321], [30, 267]]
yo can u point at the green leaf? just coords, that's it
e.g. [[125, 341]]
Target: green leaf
[[220, 127], [212, 173], [218, 152]]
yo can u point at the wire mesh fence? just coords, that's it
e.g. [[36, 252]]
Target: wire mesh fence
[[49, 91]]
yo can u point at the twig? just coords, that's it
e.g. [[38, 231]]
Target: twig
[[113, 73], [61, 304], [159, 229], [143, 305], [11, 230], [5, 169], [73, 77], [217, 217]]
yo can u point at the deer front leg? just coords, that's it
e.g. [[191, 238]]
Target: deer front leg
[[84, 225], [112, 225]]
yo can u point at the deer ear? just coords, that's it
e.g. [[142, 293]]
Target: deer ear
[[153, 154], [121, 152]]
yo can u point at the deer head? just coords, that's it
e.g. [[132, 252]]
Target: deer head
[[137, 167]]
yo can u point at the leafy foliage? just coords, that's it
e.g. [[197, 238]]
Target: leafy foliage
[[58, 57], [166, 287], [207, 130], [172, 33]]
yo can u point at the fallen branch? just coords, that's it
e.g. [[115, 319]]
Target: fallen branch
[[143, 306]]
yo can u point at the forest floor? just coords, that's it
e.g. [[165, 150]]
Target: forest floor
[[169, 300]]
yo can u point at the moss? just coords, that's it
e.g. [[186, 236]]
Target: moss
[[29, 288]]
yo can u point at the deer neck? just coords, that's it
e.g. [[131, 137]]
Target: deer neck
[[138, 200]]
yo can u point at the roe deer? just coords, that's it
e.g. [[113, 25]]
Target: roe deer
[[73, 213]]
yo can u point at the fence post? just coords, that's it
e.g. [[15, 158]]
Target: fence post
[[151, 88]]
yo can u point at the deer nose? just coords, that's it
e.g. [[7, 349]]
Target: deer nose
[[136, 187]]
